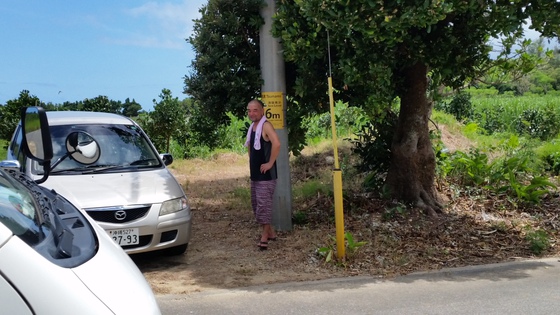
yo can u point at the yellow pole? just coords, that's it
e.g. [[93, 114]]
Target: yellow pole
[[337, 185]]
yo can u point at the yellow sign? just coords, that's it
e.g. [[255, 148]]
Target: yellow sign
[[274, 108]]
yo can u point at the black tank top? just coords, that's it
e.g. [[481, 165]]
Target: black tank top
[[259, 157]]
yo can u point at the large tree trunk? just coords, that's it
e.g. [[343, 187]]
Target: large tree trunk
[[411, 174]]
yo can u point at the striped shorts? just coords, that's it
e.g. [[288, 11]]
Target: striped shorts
[[262, 193]]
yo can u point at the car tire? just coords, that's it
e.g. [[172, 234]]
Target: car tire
[[175, 251]]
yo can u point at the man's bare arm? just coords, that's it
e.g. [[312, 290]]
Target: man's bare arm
[[270, 133]]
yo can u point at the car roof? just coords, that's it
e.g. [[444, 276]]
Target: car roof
[[83, 117]]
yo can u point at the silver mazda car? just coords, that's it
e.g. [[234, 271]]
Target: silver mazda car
[[107, 166]]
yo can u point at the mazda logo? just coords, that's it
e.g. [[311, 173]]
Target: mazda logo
[[120, 215]]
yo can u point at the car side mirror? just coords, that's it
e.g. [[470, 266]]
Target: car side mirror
[[37, 144], [82, 147], [167, 158]]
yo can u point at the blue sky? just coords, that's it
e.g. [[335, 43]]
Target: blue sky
[[71, 50]]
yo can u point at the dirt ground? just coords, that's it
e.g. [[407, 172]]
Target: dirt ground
[[223, 252]]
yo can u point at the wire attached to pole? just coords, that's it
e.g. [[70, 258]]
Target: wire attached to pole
[[329, 52], [337, 172]]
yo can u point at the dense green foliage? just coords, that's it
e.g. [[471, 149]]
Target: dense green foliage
[[11, 113], [167, 114], [373, 147], [167, 120], [3, 148], [348, 121], [513, 163], [226, 70], [381, 51], [100, 103], [460, 106], [371, 45], [531, 115], [372, 41], [511, 175], [517, 167], [543, 77]]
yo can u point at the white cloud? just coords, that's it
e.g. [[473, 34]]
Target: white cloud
[[153, 24], [168, 24]]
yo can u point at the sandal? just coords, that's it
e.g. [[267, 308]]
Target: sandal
[[263, 245]]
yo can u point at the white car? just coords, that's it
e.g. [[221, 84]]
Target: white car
[[106, 166], [53, 258]]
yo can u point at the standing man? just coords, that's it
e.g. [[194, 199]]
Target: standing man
[[263, 146]]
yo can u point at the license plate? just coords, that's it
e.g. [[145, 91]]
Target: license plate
[[125, 236]]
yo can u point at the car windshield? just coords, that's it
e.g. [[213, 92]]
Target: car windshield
[[18, 210], [122, 147]]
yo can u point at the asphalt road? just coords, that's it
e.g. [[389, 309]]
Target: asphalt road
[[523, 287]]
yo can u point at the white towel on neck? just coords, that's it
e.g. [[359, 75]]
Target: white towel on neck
[[258, 132]]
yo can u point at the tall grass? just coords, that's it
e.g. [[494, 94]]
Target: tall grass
[[3, 149], [513, 106], [505, 113]]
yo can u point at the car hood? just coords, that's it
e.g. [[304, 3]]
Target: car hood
[[111, 189], [108, 283], [133, 295]]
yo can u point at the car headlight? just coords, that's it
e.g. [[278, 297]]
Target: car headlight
[[173, 205]]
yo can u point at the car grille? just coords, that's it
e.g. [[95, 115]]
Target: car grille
[[118, 214]]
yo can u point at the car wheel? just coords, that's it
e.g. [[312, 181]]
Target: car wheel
[[175, 251]]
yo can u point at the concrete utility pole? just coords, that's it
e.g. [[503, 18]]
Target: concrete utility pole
[[274, 97]]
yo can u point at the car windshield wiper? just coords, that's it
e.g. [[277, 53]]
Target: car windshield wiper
[[145, 162], [101, 168], [64, 238], [88, 169]]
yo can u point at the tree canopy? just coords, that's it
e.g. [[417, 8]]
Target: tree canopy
[[383, 50], [226, 69], [168, 119], [380, 51], [10, 113], [372, 42]]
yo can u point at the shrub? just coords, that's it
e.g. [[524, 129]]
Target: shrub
[[549, 154], [348, 120], [351, 247], [460, 106], [300, 218], [232, 136], [373, 147], [509, 175], [491, 119], [197, 151], [553, 163], [538, 241], [471, 169], [542, 123], [537, 116]]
